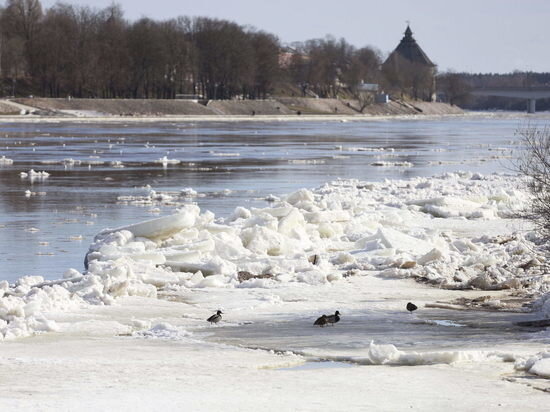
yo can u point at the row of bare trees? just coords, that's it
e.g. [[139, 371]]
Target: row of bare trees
[[84, 52], [326, 66]]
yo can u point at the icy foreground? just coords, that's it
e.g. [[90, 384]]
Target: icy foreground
[[348, 243]]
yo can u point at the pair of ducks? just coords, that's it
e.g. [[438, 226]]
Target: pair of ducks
[[327, 320], [332, 319], [322, 321]]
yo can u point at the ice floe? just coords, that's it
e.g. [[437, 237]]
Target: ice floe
[[455, 231], [391, 164], [224, 154], [165, 161], [33, 175], [536, 365], [154, 197], [4, 161], [387, 354]]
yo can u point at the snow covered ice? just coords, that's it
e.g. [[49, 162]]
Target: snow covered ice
[[364, 248], [4, 161]]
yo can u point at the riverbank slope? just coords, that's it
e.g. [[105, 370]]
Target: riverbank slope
[[93, 108]]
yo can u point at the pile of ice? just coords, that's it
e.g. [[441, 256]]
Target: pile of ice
[[536, 365], [439, 230], [32, 175], [24, 304], [165, 161], [157, 197], [387, 354], [29, 193], [4, 161], [163, 331]]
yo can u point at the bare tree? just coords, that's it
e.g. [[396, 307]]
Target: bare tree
[[266, 56], [453, 86], [13, 55], [226, 58], [113, 61], [23, 19], [54, 60], [364, 68], [322, 65], [535, 165]]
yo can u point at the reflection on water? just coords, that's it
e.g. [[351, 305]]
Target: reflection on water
[[229, 164]]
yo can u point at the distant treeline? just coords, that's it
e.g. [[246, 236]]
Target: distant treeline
[[85, 52], [69, 50]]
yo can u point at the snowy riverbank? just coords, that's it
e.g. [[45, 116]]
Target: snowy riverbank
[[352, 246]]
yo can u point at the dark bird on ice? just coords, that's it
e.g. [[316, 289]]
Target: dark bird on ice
[[322, 321], [215, 318], [332, 319], [411, 307]]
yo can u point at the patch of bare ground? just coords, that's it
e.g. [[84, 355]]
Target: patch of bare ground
[[7, 109], [248, 107]]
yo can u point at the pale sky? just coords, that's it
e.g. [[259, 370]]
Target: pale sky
[[463, 35]]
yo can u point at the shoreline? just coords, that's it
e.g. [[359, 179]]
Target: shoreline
[[256, 118]]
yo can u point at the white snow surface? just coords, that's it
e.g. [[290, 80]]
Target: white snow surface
[[150, 286]]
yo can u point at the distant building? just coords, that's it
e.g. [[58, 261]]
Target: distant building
[[409, 49], [410, 70]]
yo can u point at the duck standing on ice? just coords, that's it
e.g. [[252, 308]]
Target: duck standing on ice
[[411, 307], [322, 321], [215, 318], [332, 319]]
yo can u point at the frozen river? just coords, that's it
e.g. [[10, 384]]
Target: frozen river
[[92, 166], [418, 216]]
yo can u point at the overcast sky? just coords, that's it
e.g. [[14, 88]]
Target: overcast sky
[[463, 35]]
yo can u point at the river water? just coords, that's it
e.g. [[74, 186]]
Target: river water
[[91, 166]]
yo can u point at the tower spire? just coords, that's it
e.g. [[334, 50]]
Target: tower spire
[[408, 31]]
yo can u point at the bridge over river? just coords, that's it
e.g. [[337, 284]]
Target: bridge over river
[[531, 94]]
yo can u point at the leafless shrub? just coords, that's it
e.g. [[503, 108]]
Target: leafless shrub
[[534, 163]]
